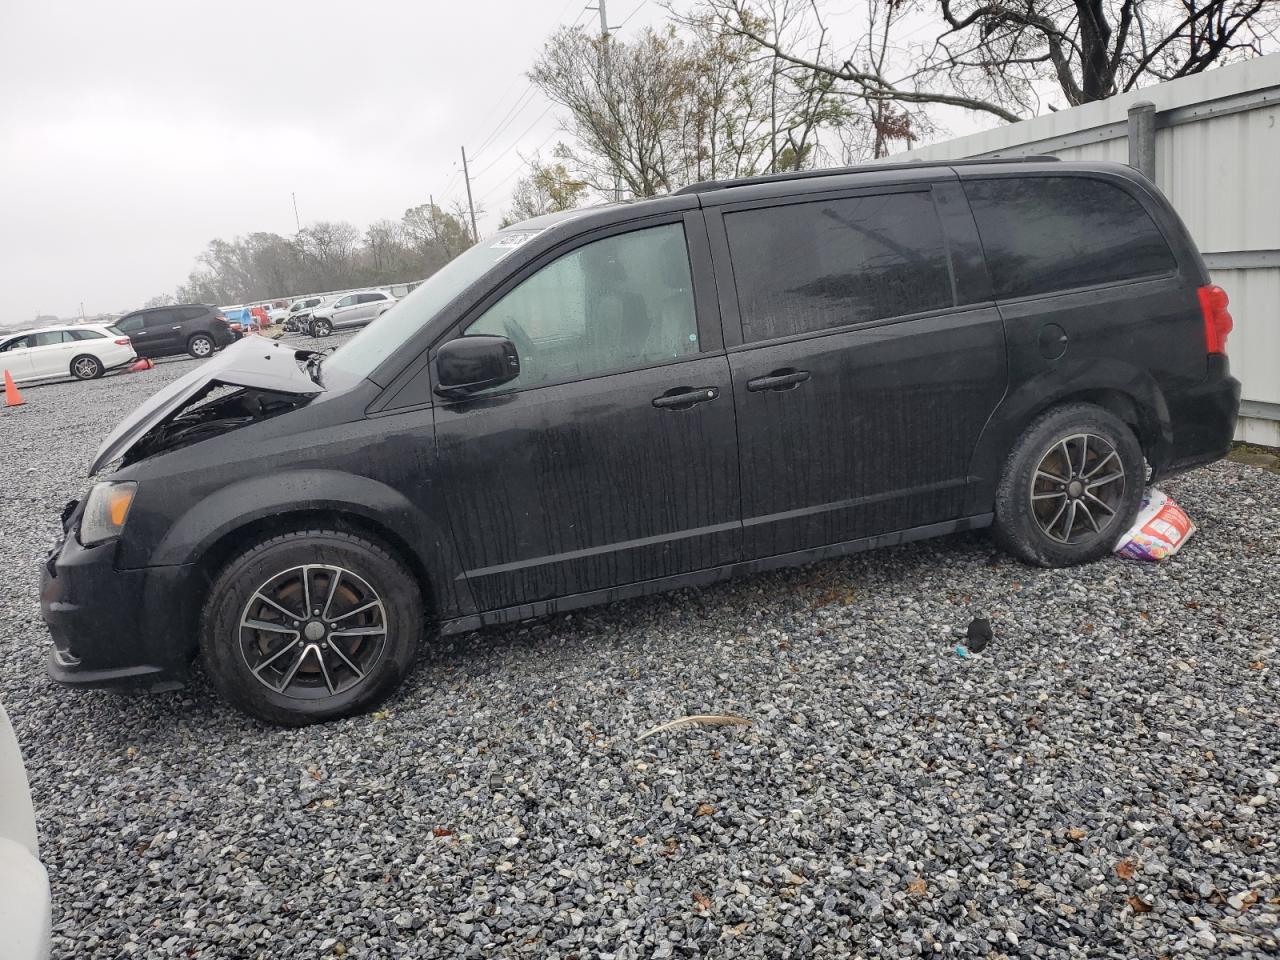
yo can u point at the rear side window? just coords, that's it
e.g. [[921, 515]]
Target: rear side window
[[158, 318], [192, 313], [1043, 234], [829, 263]]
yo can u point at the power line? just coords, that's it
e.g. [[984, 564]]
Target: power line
[[503, 156], [631, 14], [516, 109]]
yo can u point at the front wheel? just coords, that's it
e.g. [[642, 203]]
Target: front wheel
[[86, 367], [310, 626], [321, 328], [1071, 487], [200, 346]]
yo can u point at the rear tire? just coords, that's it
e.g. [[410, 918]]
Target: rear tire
[[1071, 487], [282, 663], [87, 367], [201, 346]]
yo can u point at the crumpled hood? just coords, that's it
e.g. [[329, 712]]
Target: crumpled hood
[[252, 362]]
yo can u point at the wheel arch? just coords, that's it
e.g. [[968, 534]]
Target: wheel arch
[[1130, 393], [225, 523]]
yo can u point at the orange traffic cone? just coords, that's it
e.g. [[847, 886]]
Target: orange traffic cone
[[12, 398], [141, 364]]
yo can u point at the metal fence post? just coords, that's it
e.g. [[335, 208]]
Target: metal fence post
[[1142, 137]]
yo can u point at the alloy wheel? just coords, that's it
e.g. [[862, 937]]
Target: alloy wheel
[[312, 631], [86, 368], [202, 346], [1077, 488]]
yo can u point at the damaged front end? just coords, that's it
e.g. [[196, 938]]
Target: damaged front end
[[250, 381], [229, 408]]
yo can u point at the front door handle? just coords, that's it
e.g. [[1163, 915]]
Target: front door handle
[[682, 398], [787, 379]]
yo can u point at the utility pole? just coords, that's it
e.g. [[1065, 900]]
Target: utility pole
[[602, 6], [296, 222], [475, 234]]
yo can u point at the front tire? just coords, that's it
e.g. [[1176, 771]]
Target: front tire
[[321, 328], [87, 367], [200, 346], [310, 626], [1071, 487]]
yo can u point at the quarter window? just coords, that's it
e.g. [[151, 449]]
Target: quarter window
[[812, 266], [1043, 234], [615, 304]]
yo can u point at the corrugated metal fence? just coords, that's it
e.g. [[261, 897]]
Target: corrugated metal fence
[[1217, 157]]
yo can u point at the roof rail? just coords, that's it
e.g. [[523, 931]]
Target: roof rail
[[706, 186]]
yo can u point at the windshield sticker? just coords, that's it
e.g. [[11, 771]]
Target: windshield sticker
[[512, 240]]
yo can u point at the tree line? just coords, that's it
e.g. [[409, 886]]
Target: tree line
[[732, 88]]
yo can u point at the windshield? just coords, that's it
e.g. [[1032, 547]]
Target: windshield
[[361, 355]]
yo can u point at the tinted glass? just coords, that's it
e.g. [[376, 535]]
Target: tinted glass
[[1043, 234], [86, 335], [345, 301], [46, 338], [19, 343], [130, 324], [158, 318], [368, 297], [827, 263], [615, 304], [192, 313]]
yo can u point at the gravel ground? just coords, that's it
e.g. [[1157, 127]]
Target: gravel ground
[[1101, 782]]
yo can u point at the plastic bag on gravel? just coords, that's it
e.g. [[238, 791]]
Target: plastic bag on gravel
[[1162, 527]]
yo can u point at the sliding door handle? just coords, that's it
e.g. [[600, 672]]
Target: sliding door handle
[[682, 398], [779, 380]]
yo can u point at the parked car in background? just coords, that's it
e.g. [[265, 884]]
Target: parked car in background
[[82, 351], [194, 328], [299, 319], [350, 310], [611, 402], [25, 914]]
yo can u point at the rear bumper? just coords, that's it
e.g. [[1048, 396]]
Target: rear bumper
[[1203, 420], [113, 628]]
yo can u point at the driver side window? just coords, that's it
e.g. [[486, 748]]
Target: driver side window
[[614, 304]]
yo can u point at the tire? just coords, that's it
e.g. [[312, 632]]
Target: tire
[[1067, 523], [375, 594], [201, 346], [321, 328], [87, 367]]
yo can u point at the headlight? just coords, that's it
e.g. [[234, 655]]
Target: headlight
[[105, 511]]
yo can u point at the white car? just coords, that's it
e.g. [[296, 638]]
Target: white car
[[84, 352], [25, 915], [350, 310]]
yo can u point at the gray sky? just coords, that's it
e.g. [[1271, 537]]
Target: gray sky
[[133, 132]]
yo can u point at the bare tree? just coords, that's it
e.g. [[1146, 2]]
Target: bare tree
[[546, 188], [996, 56]]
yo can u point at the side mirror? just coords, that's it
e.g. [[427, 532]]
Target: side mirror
[[468, 364]]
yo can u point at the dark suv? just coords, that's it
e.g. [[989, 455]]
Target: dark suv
[[615, 401], [195, 328]]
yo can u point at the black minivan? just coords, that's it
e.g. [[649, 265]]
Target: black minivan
[[197, 329], [608, 402]]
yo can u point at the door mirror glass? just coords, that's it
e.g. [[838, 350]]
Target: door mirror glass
[[468, 364]]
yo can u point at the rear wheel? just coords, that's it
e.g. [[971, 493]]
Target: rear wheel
[[310, 626], [200, 346], [86, 367], [1071, 487]]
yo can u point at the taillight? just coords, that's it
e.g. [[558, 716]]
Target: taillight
[[1217, 318], [123, 341]]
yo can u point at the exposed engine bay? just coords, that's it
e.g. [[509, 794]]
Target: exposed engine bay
[[229, 409]]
